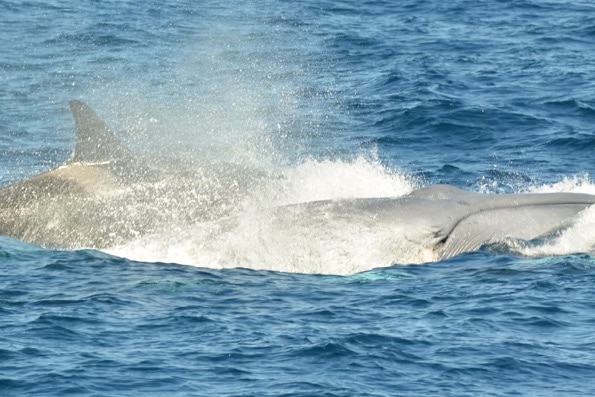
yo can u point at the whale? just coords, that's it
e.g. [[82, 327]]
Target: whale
[[444, 221], [105, 195]]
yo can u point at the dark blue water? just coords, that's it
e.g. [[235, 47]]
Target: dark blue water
[[344, 99]]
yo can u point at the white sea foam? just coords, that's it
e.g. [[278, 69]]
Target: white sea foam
[[267, 234], [574, 184], [284, 240], [577, 238], [326, 180], [257, 117]]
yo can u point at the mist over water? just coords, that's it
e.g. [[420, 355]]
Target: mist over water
[[260, 97], [252, 89]]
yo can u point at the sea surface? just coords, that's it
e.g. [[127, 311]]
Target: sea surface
[[337, 99]]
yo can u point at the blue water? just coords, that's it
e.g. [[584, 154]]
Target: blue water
[[343, 98]]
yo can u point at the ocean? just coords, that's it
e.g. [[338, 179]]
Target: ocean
[[323, 101]]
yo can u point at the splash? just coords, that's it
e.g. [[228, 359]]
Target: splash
[[265, 113], [267, 234], [316, 180], [258, 99], [578, 238], [574, 184]]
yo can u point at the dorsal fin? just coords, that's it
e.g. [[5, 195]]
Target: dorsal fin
[[95, 141]]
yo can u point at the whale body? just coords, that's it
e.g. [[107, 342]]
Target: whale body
[[449, 221], [107, 196]]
